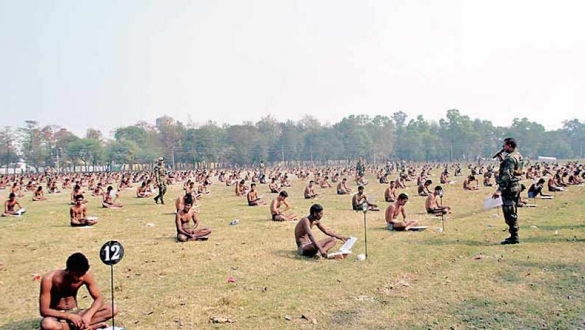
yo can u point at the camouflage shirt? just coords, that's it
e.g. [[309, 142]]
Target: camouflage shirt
[[510, 171], [160, 175]]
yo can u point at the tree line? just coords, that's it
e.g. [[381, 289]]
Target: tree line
[[455, 137]]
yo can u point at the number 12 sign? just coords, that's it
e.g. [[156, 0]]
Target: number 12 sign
[[111, 253]]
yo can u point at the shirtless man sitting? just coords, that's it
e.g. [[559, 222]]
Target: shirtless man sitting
[[78, 213], [310, 191], [325, 182], [253, 199], [342, 188], [432, 203], [470, 183], [142, 191], [277, 213], [359, 199], [307, 244], [76, 192], [185, 232], [98, 190], [180, 202], [241, 188], [9, 206], [444, 177], [390, 193], [423, 189], [392, 212], [39, 195], [274, 186], [109, 201], [58, 298]]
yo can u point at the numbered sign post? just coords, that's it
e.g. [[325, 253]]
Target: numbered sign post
[[111, 253]]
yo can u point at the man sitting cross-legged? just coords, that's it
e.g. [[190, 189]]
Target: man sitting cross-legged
[[392, 212], [342, 188], [183, 218], [78, 213], [10, 206], [109, 199], [253, 199], [39, 195], [58, 298], [423, 189], [432, 203], [307, 244], [359, 199], [310, 191], [277, 213]]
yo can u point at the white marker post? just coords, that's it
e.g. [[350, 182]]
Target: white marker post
[[365, 210], [111, 253]]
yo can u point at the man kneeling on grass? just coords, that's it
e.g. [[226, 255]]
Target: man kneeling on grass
[[186, 233], [307, 244], [58, 298]]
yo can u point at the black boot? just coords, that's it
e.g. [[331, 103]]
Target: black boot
[[156, 199], [510, 240]]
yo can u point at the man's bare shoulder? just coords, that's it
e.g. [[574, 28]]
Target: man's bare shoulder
[[50, 276]]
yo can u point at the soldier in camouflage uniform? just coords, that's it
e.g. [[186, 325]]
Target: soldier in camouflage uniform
[[160, 177], [509, 187]]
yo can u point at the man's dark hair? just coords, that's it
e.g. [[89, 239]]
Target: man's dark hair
[[511, 142], [361, 188], [77, 263], [283, 194], [315, 208], [541, 181], [403, 196], [428, 182], [189, 199], [438, 188], [12, 195], [253, 185]]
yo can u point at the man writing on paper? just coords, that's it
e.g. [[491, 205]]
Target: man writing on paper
[[307, 244], [58, 298]]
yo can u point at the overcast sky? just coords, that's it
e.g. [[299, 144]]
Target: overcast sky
[[106, 64]]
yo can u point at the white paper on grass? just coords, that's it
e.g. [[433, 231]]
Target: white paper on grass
[[490, 203], [114, 328], [346, 247]]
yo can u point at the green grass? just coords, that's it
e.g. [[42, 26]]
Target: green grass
[[423, 280]]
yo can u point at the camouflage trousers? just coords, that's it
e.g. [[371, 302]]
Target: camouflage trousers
[[510, 210]]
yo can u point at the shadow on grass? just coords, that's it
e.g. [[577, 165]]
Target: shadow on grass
[[291, 254], [440, 241], [167, 238], [29, 324], [560, 227]]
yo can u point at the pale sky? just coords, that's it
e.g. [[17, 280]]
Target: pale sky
[[106, 64]]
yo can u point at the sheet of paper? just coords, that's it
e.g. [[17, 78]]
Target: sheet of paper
[[346, 247], [490, 203]]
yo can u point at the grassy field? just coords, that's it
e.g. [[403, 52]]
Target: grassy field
[[459, 279]]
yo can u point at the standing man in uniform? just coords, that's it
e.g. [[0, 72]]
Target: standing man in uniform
[[160, 177], [509, 187]]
